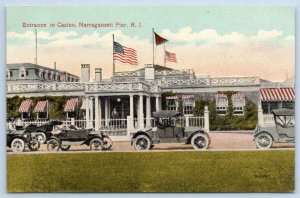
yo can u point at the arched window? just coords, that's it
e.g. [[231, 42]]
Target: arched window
[[23, 72], [238, 103], [221, 104]]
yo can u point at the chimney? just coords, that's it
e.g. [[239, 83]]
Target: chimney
[[85, 72], [98, 74]]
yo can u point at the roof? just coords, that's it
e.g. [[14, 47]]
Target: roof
[[25, 106], [71, 105], [158, 68], [284, 112], [41, 106], [166, 114], [277, 94]]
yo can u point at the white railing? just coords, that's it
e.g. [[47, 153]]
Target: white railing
[[196, 121], [117, 86], [175, 72]]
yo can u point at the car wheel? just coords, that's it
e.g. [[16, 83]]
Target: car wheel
[[142, 142], [200, 141], [18, 145], [34, 145], [53, 145], [65, 147], [96, 144], [41, 137], [263, 141], [107, 143]]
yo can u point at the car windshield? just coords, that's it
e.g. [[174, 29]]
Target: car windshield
[[285, 121], [170, 122]]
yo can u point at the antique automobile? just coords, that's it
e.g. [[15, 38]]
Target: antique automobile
[[18, 139], [282, 131], [65, 136], [170, 130], [44, 132]]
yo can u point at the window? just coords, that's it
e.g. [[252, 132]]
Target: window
[[238, 103], [172, 104], [188, 107], [221, 104], [23, 72], [9, 73]]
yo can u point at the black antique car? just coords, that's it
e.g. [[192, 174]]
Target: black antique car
[[168, 130], [44, 132], [65, 136], [17, 138], [283, 130]]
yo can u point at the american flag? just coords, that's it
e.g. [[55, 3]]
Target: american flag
[[171, 57], [125, 54]]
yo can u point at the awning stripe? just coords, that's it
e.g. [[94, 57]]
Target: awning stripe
[[277, 94], [71, 105], [41, 106], [25, 106]]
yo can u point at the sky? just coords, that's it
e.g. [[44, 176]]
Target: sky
[[216, 41]]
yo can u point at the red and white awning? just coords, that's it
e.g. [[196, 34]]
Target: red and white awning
[[186, 97], [71, 105], [25, 106], [277, 94], [171, 97], [41, 106]]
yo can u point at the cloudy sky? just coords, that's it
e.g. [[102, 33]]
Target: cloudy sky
[[215, 41]]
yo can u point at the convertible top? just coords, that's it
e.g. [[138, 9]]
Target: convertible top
[[166, 114], [283, 112]]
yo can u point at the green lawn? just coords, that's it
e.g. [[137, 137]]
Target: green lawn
[[188, 171]]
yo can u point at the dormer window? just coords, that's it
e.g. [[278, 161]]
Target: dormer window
[[9, 73], [23, 72]]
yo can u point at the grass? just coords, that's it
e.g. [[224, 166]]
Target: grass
[[220, 171]]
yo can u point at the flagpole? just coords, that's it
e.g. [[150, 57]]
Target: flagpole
[[164, 55], [113, 58], [153, 45], [35, 60]]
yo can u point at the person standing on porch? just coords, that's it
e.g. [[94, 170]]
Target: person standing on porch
[[114, 116]]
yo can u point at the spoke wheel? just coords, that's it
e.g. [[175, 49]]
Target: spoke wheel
[[53, 145], [142, 142], [34, 145], [18, 145], [200, 141], [263, 141], [65, 147], [41, 137], [96, 144], [107, 143]]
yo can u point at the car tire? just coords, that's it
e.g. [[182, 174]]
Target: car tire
[[200, 141], [17, 145], [65, 147], [141, 143], [107, 143], [34, 145], [41, 137], [53, 145], [96, 144], [263, 141]]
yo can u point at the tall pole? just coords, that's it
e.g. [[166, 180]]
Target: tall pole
[[153, 45], [164, 55], [113, 58], [35, 60]]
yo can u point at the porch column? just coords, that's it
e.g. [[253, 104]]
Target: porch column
[[97, 121], [157, 106], [260, 116], [141, 112], [100, 112], [148, 112], [106, 112], [87, 112], [130, 118], [92, 112]]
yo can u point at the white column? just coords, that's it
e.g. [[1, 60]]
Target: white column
[[156, 103], [206, 119], [100, 113], [148, 111], [92, 112], [87, 112], [260, 116], [141, 113], [97, 121], [106, 112]]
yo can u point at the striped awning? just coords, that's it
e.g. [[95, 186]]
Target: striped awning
[[171, 97], [84, 105], [71, 105], [41, 106], [186, 97], [277, 94], [25, 106]]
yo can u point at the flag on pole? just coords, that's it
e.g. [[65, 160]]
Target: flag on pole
[[125, 54], [171, 57], [159, 40]]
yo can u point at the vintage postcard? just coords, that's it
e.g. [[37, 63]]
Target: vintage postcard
[[150, 99]]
